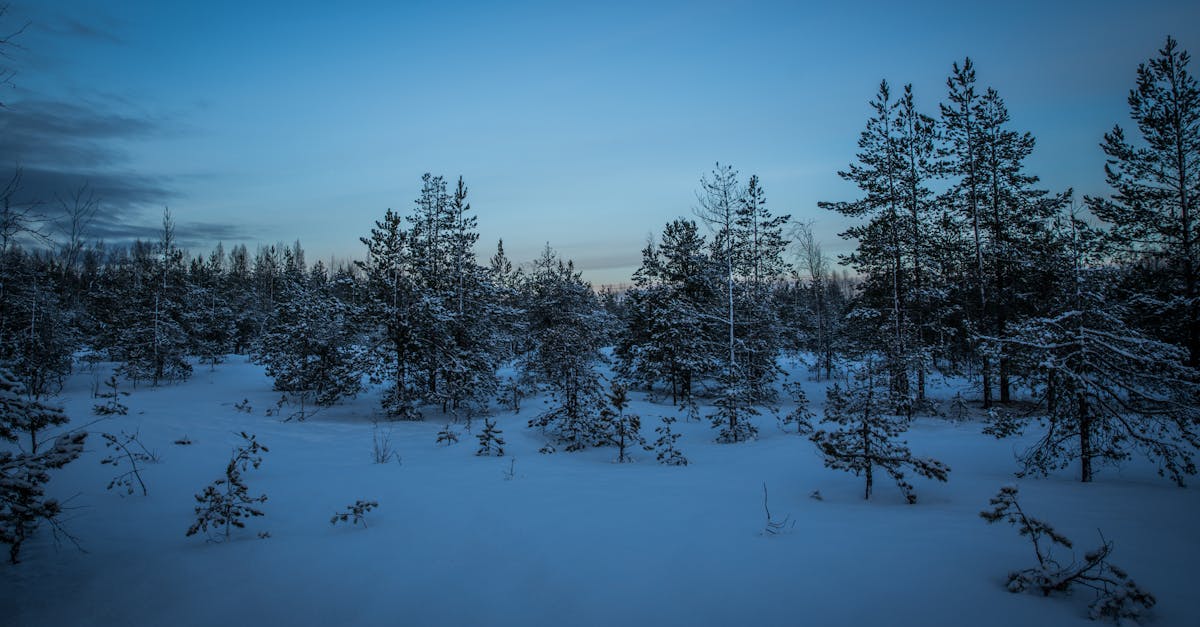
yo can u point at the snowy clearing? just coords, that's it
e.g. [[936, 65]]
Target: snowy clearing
[[571, 538]]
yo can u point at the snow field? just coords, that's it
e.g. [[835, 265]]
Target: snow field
[[572, 538]]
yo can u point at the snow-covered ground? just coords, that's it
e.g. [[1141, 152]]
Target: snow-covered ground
[[571, 538]]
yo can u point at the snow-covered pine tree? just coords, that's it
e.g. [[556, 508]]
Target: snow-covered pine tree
[[151, 339], [507, 320], [432, 226], [209, 318], [734, 409], [666, 335], [23, 475], [962, 157], [237, 291], [37, 337], [758, 254], [566, 328], [476, 340], [391, 299], [447, 435], [865, 433], [127, 449], [226, 503], [1116, 595], [624, 428], [112, 405], [882, 254], [916, 135], [800, 415], [22, 416], [354, 514], [720, 198], [1156, 194], [309, 347], [23, 502], [490, 442], [1104, 390], [664, 446], [1015, 218]]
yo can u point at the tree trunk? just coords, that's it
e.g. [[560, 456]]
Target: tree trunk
[[1085, 441]]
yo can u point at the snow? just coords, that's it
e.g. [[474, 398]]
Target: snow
[[572, 538]]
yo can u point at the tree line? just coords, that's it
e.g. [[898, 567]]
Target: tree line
[[1080, 317]]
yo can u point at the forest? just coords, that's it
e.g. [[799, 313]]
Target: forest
[[1071, 322]]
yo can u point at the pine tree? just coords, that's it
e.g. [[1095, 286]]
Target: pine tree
[[226, 503], [309, 347], [23, 475], [916, 135], [865, 434], [391, 300], [23, 502], [624, 429], [112, 405], [1104, 390], [1156, 187], [490, 442], [720, 198], [209, 319], [734, 409], [37, 334], [1015, 217], [667, 336], [800, 416], [566, 327], [151, 339], [881, 256], [962, 162], [664, 446], [24, 416], [1117, 596]]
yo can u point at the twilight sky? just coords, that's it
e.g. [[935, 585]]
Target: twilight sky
[[587, 125]]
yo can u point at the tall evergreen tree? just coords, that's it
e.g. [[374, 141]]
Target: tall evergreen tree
[[566, 328], [881, 254], [391, 301], [1104, 390], [1156, 187]]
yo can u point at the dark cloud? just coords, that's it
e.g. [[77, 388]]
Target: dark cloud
[[196, 236], [61, 147], [62, 135], [126, 190], [129, 207]]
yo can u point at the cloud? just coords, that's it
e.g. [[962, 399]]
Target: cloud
[[68, 135], [62, 146]]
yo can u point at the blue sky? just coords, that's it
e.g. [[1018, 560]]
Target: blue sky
[[584, 125]]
